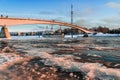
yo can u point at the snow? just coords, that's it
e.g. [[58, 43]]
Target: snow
[[91, 70], [69, 36], [104, 35], [7, 59]]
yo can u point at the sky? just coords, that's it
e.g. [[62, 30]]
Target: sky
[[87, 13]]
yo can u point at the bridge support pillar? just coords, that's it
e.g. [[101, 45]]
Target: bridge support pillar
[[4, 32]]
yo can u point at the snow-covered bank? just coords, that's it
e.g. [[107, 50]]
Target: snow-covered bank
[[94, 35], [69, 36], [104, 35]]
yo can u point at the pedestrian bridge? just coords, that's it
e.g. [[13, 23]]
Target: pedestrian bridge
[[7, 22]]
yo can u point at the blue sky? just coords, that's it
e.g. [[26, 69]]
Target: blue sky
[[88, 13]]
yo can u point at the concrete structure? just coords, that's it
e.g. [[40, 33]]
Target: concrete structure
[[4, 32], [4, 22]]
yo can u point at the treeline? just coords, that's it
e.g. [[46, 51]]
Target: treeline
[[97, 29], [106, 30], [68, 31]]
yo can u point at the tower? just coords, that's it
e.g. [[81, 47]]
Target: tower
[[71, 14], [71, 19]]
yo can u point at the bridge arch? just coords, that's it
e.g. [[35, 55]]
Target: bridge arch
[[21, 21]]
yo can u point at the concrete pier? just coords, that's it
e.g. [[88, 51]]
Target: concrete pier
[[4, 32]]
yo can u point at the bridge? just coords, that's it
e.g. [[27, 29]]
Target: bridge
[[5, 22]]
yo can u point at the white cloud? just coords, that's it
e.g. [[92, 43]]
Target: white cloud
[[81, 22], [85, 23], [113, 5], [89, 11], [112, 22], [84, 13]]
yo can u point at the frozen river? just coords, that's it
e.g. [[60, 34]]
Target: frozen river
[[96, 58]]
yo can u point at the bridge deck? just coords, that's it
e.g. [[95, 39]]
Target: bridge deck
[[22, 21]]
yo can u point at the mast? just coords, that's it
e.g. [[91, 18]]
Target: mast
[[71, 14], [71, 19]]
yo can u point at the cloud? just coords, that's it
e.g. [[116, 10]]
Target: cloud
[[81, 22], [85, 23], [112, 20], [84, 13], [113, 5], [89, 11], [47, 13]]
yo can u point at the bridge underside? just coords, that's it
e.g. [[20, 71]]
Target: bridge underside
[[18, 21]]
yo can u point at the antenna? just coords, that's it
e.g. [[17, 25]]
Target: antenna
[[71, 19], [71, 13]]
